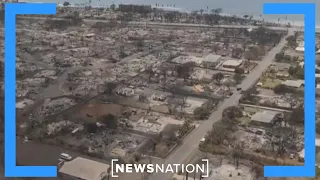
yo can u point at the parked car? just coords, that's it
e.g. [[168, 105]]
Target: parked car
[[202, 140], [65, 156]]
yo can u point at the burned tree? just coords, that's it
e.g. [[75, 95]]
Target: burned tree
[[149, 71], [109, 87], [237, 154], [185, 70]]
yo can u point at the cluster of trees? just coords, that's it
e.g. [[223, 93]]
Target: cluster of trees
[[203, 112], [218, 77], [292, 40], [185, 128], [255, 53], [237, 77], [296, 71], [184, 70], [283, 89], [63, 23], [224, 129], [281, 138], [297, 116], [281, 57], [250, 95], [264, 36]]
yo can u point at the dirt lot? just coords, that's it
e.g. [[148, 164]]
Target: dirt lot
[[91, 111]]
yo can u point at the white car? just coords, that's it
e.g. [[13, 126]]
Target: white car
[[202, 140], [65, 156]]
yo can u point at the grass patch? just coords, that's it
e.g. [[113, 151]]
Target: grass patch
[[270, 83], [244, 120]]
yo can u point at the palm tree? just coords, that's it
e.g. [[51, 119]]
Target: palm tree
[[201, 11], [194, 15], [66, 4], [218, 11]]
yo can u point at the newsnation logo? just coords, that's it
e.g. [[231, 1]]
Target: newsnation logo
[[117, 168]]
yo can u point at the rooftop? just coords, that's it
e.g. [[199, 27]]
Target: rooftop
[[264, 116], [293, 83], [84, 169], [299, 48], [211, 58], [232, 63]]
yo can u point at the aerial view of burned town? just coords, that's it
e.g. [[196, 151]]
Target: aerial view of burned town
[[145, 85]]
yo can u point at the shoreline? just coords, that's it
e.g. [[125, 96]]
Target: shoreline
[[294, 23]]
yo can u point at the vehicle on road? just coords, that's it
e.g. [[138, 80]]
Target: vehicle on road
[[65, 156], [239, 88], [202, 140]]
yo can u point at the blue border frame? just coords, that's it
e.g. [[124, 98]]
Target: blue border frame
[[308, 10], [11, 169]]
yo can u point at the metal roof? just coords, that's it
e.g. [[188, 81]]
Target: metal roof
[[212, 58], [264, 116], [84, 169]]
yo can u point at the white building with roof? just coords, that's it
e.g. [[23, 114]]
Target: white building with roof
[[293, 83], [264, 118], [85, 169], [232, 63], [300, 47], [211, 60]]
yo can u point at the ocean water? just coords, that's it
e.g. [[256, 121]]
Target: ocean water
[[235, 7]]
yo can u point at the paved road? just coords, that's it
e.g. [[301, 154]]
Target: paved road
[[191, 142], [140, 23]]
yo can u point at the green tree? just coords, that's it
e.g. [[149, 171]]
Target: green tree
[[113, 7], [110, 121], [239, 70], [297, 116], [185, 70], [109, 87], [218, 77], [184, 128], [91, 127], [66, 4], [279, 56], [201, 113], [238, 78], [232, 112], [229, 124], [282, 89], [218, 134]]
